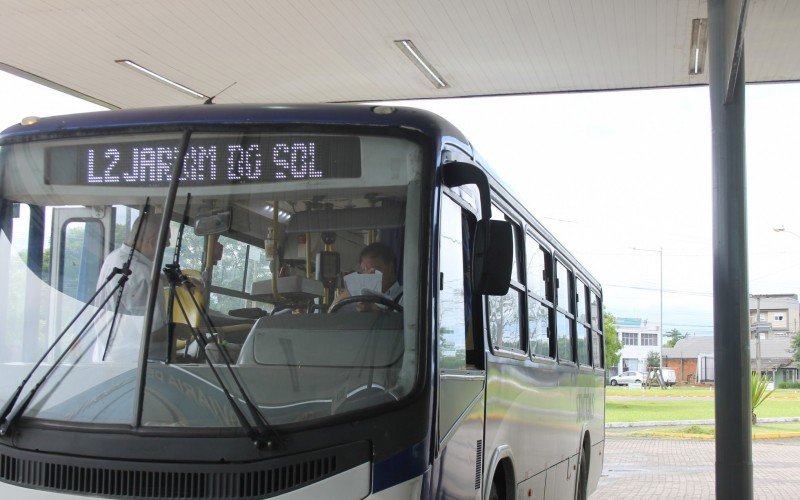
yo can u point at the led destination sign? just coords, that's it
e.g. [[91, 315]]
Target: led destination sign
[[208, 162]]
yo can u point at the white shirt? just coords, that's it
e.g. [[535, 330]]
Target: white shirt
[[394, 292], [127, 334]]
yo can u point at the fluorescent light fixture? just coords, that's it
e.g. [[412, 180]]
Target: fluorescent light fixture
[[410, 50], [697, 49], [283, 217], [155, 76]]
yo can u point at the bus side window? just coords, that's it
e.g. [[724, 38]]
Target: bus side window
[[582, 333], [81, 257], [505, 313], [452, 305], [540, 305], [564, 313], [598, 359]]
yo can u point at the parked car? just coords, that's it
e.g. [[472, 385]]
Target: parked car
[[668, 374], [626, 378]]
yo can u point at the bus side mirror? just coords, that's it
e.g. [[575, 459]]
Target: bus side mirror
[[492, 259]]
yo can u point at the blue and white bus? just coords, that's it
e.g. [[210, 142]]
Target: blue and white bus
[[244, 301]]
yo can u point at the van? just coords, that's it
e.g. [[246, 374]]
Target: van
[[667, 373]]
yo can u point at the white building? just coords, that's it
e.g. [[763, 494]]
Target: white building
[[638, 339]]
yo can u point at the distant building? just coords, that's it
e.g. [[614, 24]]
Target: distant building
[[638, 340], [775, 315], [692, 359]]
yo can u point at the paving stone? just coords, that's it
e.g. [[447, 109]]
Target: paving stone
[[655, 468]]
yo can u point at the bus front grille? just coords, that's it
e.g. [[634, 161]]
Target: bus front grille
[[171, 480]]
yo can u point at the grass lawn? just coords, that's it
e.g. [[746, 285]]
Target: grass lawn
[[637, 410]]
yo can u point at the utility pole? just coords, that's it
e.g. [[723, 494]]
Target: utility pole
[[758, 335], [660, 253]]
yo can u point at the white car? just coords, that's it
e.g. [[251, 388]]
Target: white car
[[626, 378]]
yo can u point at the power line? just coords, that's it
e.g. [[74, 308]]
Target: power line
[[678, 292]]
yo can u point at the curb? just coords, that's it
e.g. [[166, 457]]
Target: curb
[[670, 423]]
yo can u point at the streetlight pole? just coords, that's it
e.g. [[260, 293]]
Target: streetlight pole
[[660, 253], [782, 229]]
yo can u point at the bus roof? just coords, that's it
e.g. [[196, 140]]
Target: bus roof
[[233, 114]]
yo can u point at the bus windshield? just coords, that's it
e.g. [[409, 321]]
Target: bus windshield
[[296, 256]]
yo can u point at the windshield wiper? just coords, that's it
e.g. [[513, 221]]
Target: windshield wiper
[[264, 436], [7, 418], [127, 266], [176, 258]]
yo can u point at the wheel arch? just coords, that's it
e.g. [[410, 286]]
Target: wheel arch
[[502, 461]]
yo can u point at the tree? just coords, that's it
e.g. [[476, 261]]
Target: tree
[[613, 346], [653, 360], [674, 336], [794, 347]]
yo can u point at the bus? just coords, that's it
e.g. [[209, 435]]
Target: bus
[[302, 301]]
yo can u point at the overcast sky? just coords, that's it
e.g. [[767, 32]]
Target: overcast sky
[[610, 172]]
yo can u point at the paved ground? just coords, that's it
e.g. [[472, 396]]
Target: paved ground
[[681, 468]]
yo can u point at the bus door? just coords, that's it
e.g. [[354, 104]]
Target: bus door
[[462, 377], [81, 238]]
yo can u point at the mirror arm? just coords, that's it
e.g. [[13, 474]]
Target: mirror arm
[[459, 173]]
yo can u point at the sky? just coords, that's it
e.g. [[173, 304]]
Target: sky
[[615, 176]]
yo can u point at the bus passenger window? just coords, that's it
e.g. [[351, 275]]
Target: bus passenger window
[[597, 318], [540, 306], [538, 327], [535, 268], [598, 360], [597, 350], [583, 332], [505, 313], [563, 337], [562, 288], [583, 345], [504, 320], [580, 302], [565, 319]]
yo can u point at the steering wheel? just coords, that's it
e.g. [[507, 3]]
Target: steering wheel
[[366, 396], [375, 299]]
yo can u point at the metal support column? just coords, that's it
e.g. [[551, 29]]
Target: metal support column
[[734, 466]]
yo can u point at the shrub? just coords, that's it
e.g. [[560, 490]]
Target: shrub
[[758, 393]]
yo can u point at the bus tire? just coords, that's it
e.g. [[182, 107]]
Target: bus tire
[[493, 494], [583, 475]]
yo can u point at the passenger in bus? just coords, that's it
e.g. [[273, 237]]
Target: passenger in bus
[[377, 257], [124, 342]]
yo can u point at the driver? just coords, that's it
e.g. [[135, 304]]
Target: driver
[[124, 343], [378, 257]]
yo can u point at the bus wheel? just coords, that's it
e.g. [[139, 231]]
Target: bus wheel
[[493, 494], [583, 476]]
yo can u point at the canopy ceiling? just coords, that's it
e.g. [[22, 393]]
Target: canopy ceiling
[[344, 50]]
